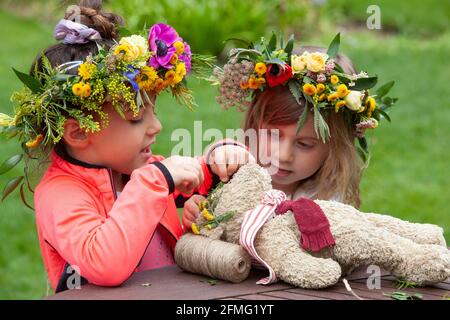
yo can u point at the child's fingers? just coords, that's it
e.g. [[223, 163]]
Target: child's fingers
[[219, 166], [231, 168]]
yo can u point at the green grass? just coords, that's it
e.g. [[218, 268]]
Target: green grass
[[407, 177], [414, 18]]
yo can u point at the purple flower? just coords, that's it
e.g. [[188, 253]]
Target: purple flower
[[186, 57], [131, 76], [161, 39]]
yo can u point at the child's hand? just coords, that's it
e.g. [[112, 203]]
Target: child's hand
[[191, 210], [186, 172], [225, 160]]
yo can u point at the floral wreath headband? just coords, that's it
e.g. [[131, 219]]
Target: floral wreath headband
[[125, 75], [314, 76]]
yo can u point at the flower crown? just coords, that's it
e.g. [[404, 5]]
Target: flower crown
[[125, 75], [313, 76]]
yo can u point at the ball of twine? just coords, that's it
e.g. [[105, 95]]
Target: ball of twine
[[214, 258]]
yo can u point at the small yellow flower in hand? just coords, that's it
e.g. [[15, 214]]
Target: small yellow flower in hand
[[194, 228]]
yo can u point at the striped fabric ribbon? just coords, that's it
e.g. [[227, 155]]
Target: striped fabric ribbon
[[253, 221]]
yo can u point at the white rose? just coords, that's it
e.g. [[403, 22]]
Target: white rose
[[353, 100]]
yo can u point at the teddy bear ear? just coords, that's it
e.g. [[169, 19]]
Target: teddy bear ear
[[245, 190]]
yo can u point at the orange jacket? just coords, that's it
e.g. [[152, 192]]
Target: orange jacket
[[81, 224]]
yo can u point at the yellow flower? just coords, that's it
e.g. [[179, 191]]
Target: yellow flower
[[309, 89], [298, 63], [315, 61], [132, 48], [180, 69], [86, 90], [252, 83], [77, 89], [174, 59], [342, 91], [159, 84], [243, 85], [332, 96], [176, 80], [322, 97], [86, 70], [146, 78], [207, 215], [6, 121], [334, 79], [339, 105], [260, 68], [170, 75], [260, 81], [194, 228], [179, 47], [34, 143], [370, 105], [320, 88], [126, 50], [202, 205]]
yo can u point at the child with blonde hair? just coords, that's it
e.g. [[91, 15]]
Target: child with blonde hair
[[308, 107]]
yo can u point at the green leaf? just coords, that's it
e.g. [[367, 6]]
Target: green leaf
[[63, 77], [363, 143], [272, 43], [10, 163], [362, 154], [334, 46], [404, 296], [33, 84], [364, 83], [295, 90], [225, 216], [401, 284], [320, 125], [384, 89], [307, 79], [22, 196], [384, 114], [277, 61], [211, 282], [11, 186], [289, 46], [247, 44], [302, 119]]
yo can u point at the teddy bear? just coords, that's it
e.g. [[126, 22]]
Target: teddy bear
[[410, 251]]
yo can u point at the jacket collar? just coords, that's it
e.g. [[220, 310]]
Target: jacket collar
[[99, 177]]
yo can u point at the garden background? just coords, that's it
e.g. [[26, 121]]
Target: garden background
[[408, 176]]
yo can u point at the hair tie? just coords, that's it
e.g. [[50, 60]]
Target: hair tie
[[74, 33]]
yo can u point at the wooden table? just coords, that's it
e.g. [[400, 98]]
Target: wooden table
[[172, 283]]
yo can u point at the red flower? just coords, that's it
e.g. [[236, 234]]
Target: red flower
[[276, 75]]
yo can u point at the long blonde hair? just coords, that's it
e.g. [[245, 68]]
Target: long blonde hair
[[340, 175]]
